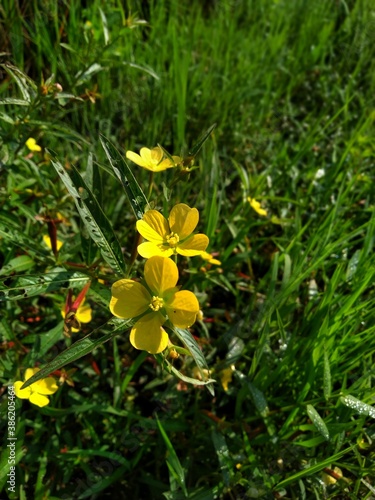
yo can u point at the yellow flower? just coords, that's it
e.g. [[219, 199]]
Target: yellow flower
[[161, 298], [37, 392], [83, 314], [152, 159], [226, 376], [32, 145], [210, 259], [47, 241], [256, 206], [173, 236]]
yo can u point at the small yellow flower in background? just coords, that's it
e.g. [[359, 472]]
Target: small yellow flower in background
[[36, 393], [210, 259], [256, 206], [83, 314], [47, 241], [200, 316], [226, 376], [161, 298], [32, 145], [168, 237], [332, 478], [152, 159]]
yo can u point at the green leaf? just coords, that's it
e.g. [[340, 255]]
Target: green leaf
[[188, 380], [21, 263], [223, 455], [80, 348], [173, 462], [327, 379], [359, 406], [93, 217], [19, 287], [257, 396], [318, 421], [45, 341], [327, 462], [197, 147], [137, 199], [190, 343], [14, 102]]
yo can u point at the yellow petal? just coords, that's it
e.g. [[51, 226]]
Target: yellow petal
[[30, 372], [207, 256], [183, 220], [148, 335], [256, 206], [182, 309], [177, 159], [194, 245], [147, 250], [148, 232], [163, 165], [84, 313], [24, 394], [135, 159], [156, 155], [47, 241], [38, 399], [32, 145], [151, 156], [161, 274], [129, 299], [45, 386], [157, 222], [226, 376]]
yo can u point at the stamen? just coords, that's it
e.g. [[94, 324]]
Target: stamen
[[156, 303], [172, 239]]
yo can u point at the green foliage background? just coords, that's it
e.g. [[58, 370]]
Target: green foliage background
[[290, 85]]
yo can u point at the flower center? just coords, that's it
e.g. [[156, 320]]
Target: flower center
[[156, 303], [172, 239]]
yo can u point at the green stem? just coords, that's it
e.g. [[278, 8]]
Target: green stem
[[151, 180]]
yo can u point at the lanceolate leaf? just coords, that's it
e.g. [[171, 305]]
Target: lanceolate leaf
[[138, 200], [19, 287], [197, 147], [188, 340], [93, 217], [80, 348]]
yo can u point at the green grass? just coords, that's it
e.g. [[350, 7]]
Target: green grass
[[290, 86]]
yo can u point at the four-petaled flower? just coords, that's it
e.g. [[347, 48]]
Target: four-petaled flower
[[160, 299], [37, 392], [256, 206], [152, 159], [173, 236], [32, 145]]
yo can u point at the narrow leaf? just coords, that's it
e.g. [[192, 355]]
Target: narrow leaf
[[138, 200], [173, 462], [359, 406], [318, 421], [93, 217], [80, 348], [21, 263], [197, 147], [19, 287], [190, 343]]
